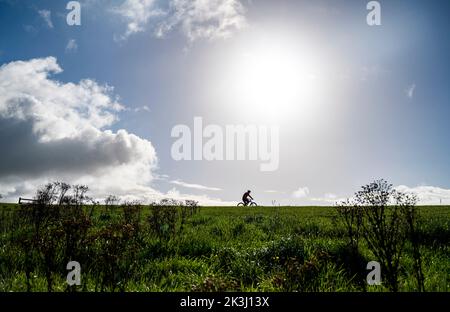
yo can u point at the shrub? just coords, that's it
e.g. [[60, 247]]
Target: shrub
[[385, 218], [163, 219]]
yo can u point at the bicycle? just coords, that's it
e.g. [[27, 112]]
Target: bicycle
[[251, 203]]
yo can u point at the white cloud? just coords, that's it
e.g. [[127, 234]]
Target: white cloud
[[54, 131], [410, 91], [55, 110], [47, 17], [163, 177], [201, 19], [327, 199], [202, 199], [301, 192], [330, 196], [195, 19], [137, 13], [141, 109], [71, 46], [194, 186], [275, 192], [57, 130], [428, 195]]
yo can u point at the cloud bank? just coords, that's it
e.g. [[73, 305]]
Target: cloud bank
[[301, 192], [46, 15], [428, 195], [195, 19], [51, 130], [71, 46], [410, 91], [195, 186]]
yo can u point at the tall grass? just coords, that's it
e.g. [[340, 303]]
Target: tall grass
[[172, 246]]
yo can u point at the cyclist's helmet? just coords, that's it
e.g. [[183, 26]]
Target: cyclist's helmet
[[249, 191]]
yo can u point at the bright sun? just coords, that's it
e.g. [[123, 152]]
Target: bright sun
[[273, 80]]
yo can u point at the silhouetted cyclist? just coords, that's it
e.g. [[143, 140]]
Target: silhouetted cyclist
[[246, 196]]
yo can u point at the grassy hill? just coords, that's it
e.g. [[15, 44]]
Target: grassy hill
[[209, 249]]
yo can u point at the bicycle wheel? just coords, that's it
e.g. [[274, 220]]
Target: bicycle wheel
[[241, 204], [253, 204]]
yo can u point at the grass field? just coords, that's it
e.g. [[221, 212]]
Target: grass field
[[214, 249]]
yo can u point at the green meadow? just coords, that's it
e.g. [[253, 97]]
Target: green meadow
[[151, 248]]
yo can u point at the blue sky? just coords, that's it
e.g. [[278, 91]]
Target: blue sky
[[375, 105]]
